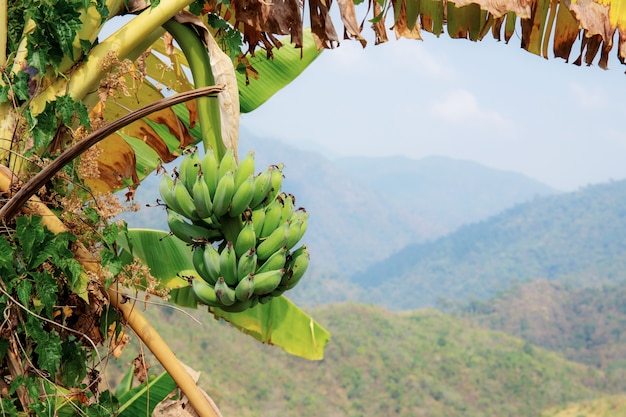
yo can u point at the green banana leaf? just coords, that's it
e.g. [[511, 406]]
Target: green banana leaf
[[275, 73], [279, 322], [141, 400]]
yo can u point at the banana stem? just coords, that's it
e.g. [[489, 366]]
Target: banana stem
[[133, 317]]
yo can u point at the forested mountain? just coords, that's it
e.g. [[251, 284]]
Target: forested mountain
[[587, 325], [380, 363], [579, 238]]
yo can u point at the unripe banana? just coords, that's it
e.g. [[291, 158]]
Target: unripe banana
[[246, 239], [205, 293], [198, 263], [228, 163], [166, 189], [266, 282], [301, 214], [262, 184], [211, 258], [202, 198], [245, 289], [273, 242], [188, 233], [189, 169], [228, 265], [265, 298], [185, 201], [239, 306], [247, 264], [275, 261], [224, 293], [258, 218], [224, 194], [294, 232], [288, 206], [272, 218], [242, 197], [244, 169], [209, 166], [276, 182], [296, 267]]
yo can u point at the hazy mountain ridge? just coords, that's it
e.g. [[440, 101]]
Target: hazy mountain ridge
[[578, 237], [450, 191]]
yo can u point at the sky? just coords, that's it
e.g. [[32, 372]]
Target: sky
[[487, 102]]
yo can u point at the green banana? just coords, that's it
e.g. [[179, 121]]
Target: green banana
[[209, 165], [275, 261], [185, 201], [266, 282], [202, 198], [245, 289], [228, 163], [246, 264], [211, 258], [224, 194], [258, 218], [189, 168], [166, 189], [273, 242], [188, 233], [244, 169], [239, 306], [276, 182], [294, 233], [228, 265], [197, 258], [205, 293], [246, 239], [262, 184], [224, 293], [288, 206], [296, 267], [242, 197], [272, 219], [200, 65]]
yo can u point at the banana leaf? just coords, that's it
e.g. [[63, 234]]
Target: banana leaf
[[142, 399], [279, 322]]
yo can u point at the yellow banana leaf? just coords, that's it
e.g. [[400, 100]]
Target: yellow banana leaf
[[279, 322]]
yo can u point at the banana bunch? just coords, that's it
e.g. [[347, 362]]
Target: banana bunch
[[242, 229]]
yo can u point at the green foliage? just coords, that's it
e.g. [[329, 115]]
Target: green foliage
[[38, 269], [420, 363]]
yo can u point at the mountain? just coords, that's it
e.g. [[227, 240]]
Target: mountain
[[579, 237], [354, 224], [585, 325], [379, 363], [448, 191]]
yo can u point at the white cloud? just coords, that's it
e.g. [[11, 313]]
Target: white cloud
[[462, 107]]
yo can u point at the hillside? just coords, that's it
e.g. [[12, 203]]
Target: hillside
[[579, 238], [583, 324], [448, 191], [380, 363]]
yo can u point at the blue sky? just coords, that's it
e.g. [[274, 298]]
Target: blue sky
[[489, 102]]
